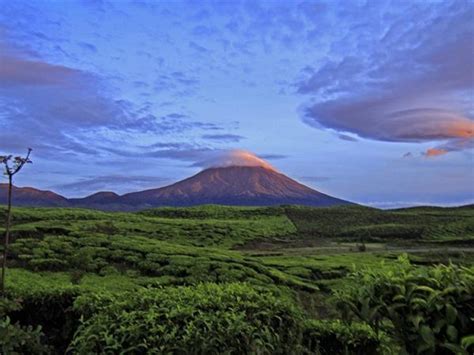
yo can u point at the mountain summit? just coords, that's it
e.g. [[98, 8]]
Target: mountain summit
[[235, 177], [233, 185], [230, 185]]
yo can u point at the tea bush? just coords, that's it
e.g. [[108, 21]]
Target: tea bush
[[44, 313], [17, 339], [426, 310], [205, 319], [336, 337], [124, 274], [211, 319], [355, 222], [214, 212]]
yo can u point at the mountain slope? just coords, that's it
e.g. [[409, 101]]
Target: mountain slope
[[28, 196], [235, 185], [103, 197]]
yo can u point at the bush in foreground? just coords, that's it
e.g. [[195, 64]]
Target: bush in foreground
[[206, 319], [210, 319], [336, 337], [38, 318], [425, 310], [16, 339], [234, 318]]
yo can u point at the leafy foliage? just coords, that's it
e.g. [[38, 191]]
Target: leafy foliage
[[206, 319], [211, 319], [207, 226], [428, 311], [46, 309], [124, 274], [16, 339], [336, 337], [370, 224]]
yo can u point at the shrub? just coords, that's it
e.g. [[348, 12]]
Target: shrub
[[51, 264], [426, 310], [45, 312], [76, 276], [15, 339], [336, 337], [205, 319]]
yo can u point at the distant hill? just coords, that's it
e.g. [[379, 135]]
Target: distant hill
[[232, 185], [28, 196]]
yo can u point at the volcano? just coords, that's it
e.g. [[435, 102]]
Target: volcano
[[229, 185], [233, 185], [236, 177]]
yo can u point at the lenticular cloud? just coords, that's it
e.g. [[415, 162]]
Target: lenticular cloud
[[235, 157]]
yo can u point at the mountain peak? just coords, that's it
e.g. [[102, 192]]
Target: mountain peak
[[233, 185], [242, 180]]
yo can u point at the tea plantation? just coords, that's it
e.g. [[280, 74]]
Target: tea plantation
[[240, 280]]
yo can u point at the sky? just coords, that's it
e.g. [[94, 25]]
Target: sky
[[370, 101]]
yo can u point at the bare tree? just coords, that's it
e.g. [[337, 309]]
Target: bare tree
[[12, 166]]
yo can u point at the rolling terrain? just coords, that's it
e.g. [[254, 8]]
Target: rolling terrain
[[78, 273]]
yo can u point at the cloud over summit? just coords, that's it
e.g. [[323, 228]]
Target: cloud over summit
[[235, 157]]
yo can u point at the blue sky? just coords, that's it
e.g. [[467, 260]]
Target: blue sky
[[371, 101]]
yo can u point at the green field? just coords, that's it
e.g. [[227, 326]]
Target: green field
[[214, 279]]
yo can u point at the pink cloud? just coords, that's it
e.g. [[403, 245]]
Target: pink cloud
[[434, 152]]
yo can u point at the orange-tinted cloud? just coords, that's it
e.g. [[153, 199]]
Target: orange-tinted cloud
[[451, 145], [235, 157], [434, 152], [462, 128], [429, 101]]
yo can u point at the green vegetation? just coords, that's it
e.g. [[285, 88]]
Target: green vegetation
[[209, 226], [214, 279], [420, 224], [215, 319], [426, 310]]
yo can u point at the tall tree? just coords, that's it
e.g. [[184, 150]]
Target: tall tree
[[12, 166]]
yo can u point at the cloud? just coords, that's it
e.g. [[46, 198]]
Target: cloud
[[452, 145], [62, 111], [17, 72], [346, 137], [182, 152], [273, 156], [315, 178], [198, 48], [405, 90], [235, 157], [88, 47], [179, 83], [42, 104], [203, 31], [434, 152], [223, 137], [110, 182]]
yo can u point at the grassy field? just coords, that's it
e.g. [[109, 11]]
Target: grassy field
[[297, 254]]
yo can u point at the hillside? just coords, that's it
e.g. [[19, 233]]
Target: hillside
[[279, 264], [235, 185], [232, 185], [28, 196]]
